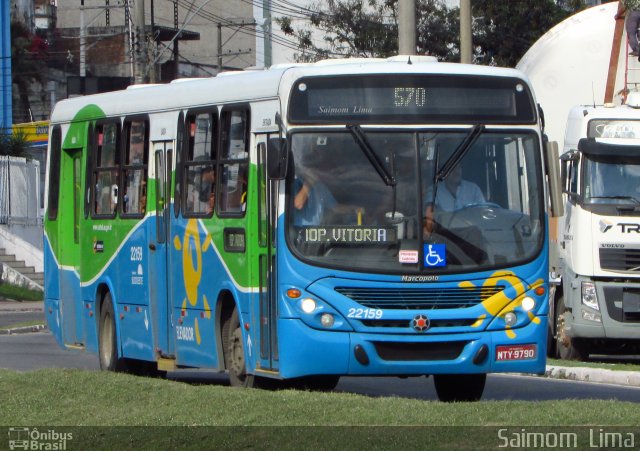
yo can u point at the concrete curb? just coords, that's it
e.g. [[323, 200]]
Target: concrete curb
[[584, 374], [23, 330]]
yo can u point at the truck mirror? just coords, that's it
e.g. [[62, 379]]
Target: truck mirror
[[552, 164], [277, 158]]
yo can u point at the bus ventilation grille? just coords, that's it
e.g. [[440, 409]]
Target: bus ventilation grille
[[419, 298]]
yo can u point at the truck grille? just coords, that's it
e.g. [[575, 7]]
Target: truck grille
[[419, 298], [620, 259]]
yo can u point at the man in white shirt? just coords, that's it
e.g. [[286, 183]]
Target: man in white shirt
[[455, 193]]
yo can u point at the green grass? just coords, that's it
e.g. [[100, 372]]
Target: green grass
[[19, 293], [76, 397], [601, 362], [287, 419]]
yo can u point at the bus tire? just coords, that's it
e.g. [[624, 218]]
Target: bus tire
[[459, 387], [107, 338], [234, 355], [567, 348]]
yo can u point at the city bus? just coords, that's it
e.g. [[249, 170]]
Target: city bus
[[285, 225]]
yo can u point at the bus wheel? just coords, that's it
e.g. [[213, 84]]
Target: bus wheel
[[234, 357], [567, 348], [107, 340], [459, 387]]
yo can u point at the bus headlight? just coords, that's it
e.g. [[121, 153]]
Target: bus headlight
[[589, 296], [327, 320], [510, 319], [528, 304], [308, 305]]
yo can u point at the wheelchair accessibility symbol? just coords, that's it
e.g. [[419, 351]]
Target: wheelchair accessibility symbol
[[435, 255]]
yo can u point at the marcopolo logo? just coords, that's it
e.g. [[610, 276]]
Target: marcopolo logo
[[35, 439]]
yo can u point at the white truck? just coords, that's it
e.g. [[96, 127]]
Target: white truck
[[595, 250], [595, 245]]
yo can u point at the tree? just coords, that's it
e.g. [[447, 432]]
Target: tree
[[14, 144], [503, 30]]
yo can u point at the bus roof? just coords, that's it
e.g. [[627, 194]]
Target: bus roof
[[245, 86]]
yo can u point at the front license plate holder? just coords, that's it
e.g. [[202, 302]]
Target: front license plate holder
[[516, 352]]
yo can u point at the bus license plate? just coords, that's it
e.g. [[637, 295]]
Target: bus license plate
[[516, 352]]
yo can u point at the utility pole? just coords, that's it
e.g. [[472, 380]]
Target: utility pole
[[465, 32], [6, 107], [234, 23], [406, 27], [140, 44], [83, 42], [266, 29]]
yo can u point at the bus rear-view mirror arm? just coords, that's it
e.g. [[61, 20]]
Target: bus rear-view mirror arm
[[277, 158]]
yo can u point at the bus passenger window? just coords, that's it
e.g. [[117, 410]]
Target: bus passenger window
[[106, 172], [199, 176], [135, 169], [234, 166]]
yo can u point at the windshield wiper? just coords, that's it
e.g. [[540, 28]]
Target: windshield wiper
[[460, 152], [373, 158]]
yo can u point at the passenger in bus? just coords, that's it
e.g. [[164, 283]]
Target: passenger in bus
[[454, 193], [206, 194], [143, 197], [312, 199], [234, 191]]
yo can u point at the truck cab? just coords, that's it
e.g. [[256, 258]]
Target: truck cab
[[596, 260]]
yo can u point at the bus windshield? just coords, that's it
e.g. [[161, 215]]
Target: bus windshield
[[415, 201]]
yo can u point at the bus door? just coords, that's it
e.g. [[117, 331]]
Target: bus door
[[69, 214], [159, 237], [267, 299]]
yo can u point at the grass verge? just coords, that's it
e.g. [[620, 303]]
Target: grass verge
[[119, 411], [19, 293], [24, 324], [600, 362], [77, 397]]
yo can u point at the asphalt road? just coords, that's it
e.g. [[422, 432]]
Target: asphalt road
[[13, 318], [38, 350]]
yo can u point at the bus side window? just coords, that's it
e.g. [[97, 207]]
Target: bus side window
[[134, 172], [54, 173], [233, 162], [198, 181], [106, 172]]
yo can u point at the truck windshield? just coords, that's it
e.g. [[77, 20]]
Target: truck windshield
[[611, 181], [486, 213]]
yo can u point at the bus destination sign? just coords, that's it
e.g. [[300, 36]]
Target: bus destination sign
[[396, 100], [349, 234]]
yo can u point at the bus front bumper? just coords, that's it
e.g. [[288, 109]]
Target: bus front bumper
[[306, 351]]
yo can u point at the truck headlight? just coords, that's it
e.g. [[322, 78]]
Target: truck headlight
[[589, 296]]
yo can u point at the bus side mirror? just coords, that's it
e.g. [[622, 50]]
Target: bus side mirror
[[277, 158], [552, 164]]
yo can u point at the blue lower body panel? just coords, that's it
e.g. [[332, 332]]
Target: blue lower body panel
[[350, 353]]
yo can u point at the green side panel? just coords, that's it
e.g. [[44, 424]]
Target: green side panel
[[243, 266], [61, 231]]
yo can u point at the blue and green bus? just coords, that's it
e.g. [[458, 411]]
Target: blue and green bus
[[298, 224]]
